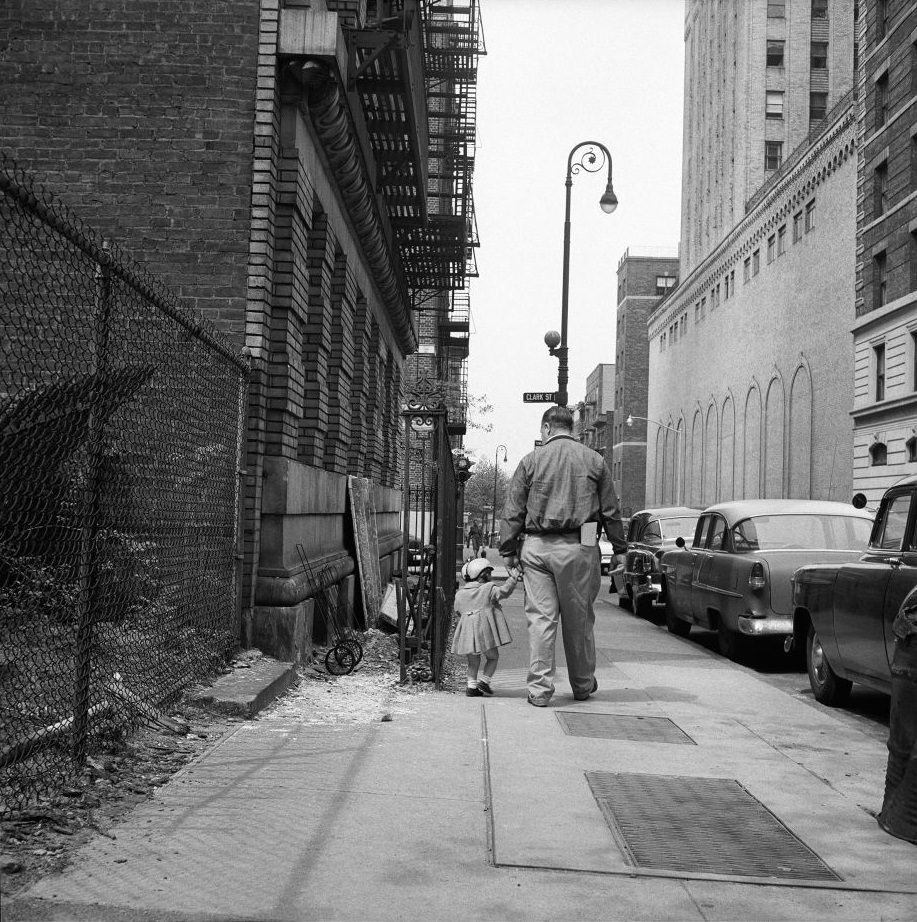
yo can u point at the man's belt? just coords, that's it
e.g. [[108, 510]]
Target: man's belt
[[556, 531]]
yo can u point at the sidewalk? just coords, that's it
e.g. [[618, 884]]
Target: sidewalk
[[490, 809]]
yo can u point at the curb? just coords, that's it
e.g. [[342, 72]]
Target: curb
[[245, 692]]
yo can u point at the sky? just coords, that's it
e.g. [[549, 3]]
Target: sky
[[557, 74]]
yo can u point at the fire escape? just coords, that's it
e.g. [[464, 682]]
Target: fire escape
[[413, 70]]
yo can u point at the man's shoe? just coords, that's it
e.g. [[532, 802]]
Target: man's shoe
[[484, 688], [473, 692], [582, 696], [539, 701]]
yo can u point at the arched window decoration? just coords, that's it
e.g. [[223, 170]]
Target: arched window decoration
[[911, 446], [878, 453]]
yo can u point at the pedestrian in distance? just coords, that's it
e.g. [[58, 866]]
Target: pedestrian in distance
[[475, 535], [482, 628], [560, 495]]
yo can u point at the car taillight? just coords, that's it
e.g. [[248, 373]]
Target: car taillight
[[756, 577]]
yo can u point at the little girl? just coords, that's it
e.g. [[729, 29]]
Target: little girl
[[482, 627]]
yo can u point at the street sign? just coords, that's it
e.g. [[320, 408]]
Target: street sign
[[539, 396]]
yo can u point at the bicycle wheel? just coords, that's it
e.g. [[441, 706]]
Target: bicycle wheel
[[340, 660]]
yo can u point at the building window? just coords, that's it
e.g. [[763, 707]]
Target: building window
[[746, 266], [818, 106], [880, 279], [911, 447], [913, 260], [756, 262], [819, 9], [664, 283], [781, 240], [776, 9], [880, 189], [878, 454], [881, 19], [913, 341], [771, 248], [881, 101], [773, 104], [810, 215], [726, 287], [818, 59], [797, 227], [662, 343], [774, 53], [684, 325], [878, 356], [773, 155]]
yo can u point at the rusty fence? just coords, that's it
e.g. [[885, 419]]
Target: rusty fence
[[121, 428]]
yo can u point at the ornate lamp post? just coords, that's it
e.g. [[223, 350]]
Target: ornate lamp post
[[493, 519], [592, 160]]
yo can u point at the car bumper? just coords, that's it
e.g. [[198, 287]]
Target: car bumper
[[768, 625], [647, 586]]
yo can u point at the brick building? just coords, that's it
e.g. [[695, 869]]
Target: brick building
[[759, 77], [645, 276], [590, 416], [750, 357], [299, 172], [885, 330]]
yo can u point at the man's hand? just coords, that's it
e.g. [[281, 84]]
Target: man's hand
[[511, 562]]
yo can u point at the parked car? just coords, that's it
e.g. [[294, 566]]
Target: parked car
[[736, 577], [651, 532], [607, 552], [843, 612]]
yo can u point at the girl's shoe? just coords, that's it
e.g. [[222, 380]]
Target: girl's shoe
[[484, 688]]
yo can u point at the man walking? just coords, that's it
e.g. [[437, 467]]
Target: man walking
[[559, 497]]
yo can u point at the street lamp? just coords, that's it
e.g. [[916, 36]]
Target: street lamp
[[592, 160], [655, 422], [493, 520]]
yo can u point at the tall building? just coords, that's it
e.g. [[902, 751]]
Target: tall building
[[760, 76], [885, 330], [646, 275], [750, 357]]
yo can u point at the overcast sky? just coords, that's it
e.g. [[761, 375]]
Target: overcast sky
[[558, 72]]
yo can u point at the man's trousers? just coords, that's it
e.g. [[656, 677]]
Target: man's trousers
[[562, 579]]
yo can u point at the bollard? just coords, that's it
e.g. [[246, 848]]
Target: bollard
[[898, 816]]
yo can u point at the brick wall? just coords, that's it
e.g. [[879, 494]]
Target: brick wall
[[138, 114]]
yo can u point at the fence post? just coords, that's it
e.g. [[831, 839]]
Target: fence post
[[90, 518]]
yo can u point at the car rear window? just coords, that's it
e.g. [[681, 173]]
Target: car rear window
[[776, 532], [680, 527]]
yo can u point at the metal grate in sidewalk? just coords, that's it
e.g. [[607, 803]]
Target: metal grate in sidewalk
[[701, 826], [622, 727]]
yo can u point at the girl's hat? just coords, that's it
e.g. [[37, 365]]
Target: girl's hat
[[474, 568]]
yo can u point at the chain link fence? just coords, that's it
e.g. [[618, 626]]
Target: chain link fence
[[121, 427]]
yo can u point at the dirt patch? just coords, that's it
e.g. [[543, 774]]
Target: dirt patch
[[42, 839]]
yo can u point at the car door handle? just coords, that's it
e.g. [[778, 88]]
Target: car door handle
[[894, 562]]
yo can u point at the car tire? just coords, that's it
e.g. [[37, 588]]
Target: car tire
[[732, 644], [673, 623], [643, 607], [827, 686]]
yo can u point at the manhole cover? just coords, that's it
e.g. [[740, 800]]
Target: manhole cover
[[702, 826], [622, 727]]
